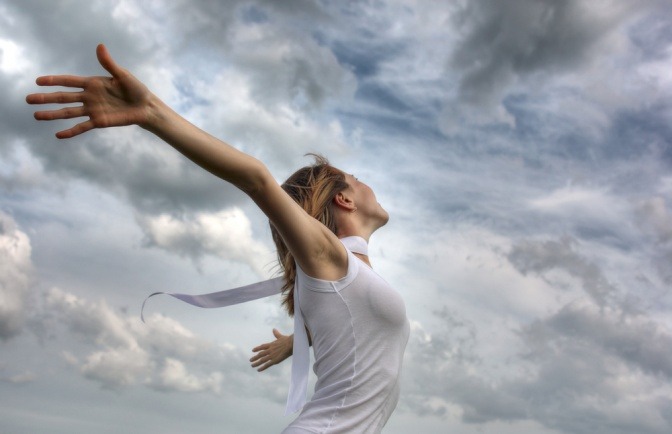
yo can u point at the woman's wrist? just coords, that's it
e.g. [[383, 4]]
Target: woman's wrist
[[289, 345], [157, 113]]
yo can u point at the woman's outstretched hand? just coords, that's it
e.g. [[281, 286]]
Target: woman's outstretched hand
[[107, 101], [272, 353]]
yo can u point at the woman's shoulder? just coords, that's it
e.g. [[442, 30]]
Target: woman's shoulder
[[313, 283]]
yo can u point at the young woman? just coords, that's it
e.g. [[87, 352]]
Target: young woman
[[321, 220]]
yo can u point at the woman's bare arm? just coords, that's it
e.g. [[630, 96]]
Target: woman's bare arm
[[121, 99]]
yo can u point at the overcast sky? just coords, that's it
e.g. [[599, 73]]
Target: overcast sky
[[523, 149]]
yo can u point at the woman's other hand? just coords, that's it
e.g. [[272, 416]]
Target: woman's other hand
[[272, 353]]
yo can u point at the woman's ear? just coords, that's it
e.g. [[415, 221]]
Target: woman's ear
[[343, 201]]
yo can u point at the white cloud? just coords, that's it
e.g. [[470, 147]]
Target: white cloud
[[526, 325], [21, 378], [117, 367], [174, 376], [535, 260], [162, 354], [594, 211], [95, 322], [571, 200], [20, 170], [567, 363], [15, 276], [225, 234], [12, 59]]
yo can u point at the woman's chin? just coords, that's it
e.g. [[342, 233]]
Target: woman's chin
[[384, 217]]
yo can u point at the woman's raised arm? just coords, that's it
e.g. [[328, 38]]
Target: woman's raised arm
[[121, 100]]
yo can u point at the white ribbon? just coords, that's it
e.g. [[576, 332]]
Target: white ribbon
[[228, 297], [301, 352]]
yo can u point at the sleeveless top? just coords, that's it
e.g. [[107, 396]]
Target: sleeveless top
[[359, 332]]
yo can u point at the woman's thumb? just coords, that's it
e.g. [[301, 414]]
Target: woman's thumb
[[106, 60]]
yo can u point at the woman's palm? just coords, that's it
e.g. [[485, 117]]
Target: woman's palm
[[107, 101]]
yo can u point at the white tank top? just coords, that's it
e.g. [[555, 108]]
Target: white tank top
[[359, 333]]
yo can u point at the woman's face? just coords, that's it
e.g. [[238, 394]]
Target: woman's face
[[366, 202]]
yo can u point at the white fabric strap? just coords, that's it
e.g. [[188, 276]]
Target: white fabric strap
[[301, 352], [228, 297], [356, 245], [298, 386]]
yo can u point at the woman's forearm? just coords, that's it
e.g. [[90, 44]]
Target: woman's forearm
[[212, 154]]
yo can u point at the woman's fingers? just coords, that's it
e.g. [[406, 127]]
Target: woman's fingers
[[61, 80], [78, 129], [257, 357], [109, 101], [260, 347], [262, 354], [259, 362], [64, 113], [264, 362], [266, 366], [265, 359], [54, 98], [270, 353]]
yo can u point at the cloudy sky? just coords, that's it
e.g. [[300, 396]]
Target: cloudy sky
[[523, 149]]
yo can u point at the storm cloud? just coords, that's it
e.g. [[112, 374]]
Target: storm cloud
[[522, 148]]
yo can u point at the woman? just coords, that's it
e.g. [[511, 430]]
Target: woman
[[356, 322]]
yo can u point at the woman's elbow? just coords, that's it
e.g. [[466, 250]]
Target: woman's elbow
[[257, 179]]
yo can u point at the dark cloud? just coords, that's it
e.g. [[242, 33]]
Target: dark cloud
[[291, 69], [362, 54], [17, 121], [655, 220], [254, 15], [536, 129], [653, 35], [146, 180], [384, 97], [136, 167], [501, 41], [65, 34], [304, 73], [445, 365], [584, 350], [636, 340], [638, 134], [541, 257]]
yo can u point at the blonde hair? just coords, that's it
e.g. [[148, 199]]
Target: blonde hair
[[313, 188]]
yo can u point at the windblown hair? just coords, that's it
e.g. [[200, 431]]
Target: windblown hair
[[313, 188]]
